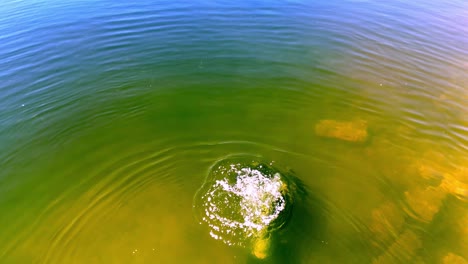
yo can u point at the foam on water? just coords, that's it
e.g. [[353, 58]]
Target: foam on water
[[240, 203]]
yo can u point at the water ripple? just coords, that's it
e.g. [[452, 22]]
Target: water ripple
[[108, 107]]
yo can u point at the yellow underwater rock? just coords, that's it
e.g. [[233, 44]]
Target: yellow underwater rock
[[455, 187], [454, 178], [454, 259], [402, 250], [425, 202], [432, 165], [387, 222], [351, 131], [261, 247]]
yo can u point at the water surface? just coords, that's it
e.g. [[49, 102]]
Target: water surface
[[112, 114]]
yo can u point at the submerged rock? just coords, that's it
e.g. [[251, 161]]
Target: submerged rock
[[426, 202], [403, 250], [243, 202], [442, 179], [386, 224], [453, 179], [454, 259], [456, 183], [352, 131]]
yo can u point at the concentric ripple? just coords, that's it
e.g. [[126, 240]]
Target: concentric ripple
[[242, 202]]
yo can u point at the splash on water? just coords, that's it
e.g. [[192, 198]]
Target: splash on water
[[243, 202]]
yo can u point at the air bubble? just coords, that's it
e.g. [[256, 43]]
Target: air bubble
[[243, 201]]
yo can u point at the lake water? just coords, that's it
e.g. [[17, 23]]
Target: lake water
[[113, 113]]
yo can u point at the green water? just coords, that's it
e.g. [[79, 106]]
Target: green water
[[112, 114]]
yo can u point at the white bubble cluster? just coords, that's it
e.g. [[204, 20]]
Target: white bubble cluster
[[241, 206]]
